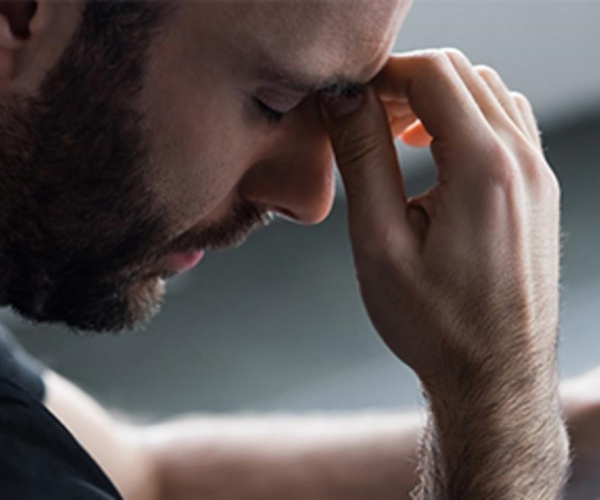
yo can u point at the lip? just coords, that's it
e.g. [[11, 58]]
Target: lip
[[177, 262]]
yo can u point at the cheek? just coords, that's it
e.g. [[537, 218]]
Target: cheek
[[196, 142], [198, 154]]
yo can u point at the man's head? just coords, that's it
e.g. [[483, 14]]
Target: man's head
[[132, 134]]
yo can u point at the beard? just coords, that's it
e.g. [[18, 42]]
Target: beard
[[80, 231]]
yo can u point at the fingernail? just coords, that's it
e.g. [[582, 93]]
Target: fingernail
[[345, 104]]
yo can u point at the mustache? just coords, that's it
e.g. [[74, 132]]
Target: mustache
[[230, 232]]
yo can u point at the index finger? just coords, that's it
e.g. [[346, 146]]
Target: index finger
[[435, 92]]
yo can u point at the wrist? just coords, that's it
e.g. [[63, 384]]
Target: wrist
[[525, 366], [494, 461], [505, 426]]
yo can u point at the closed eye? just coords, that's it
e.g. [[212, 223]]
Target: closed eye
[[270, 114]]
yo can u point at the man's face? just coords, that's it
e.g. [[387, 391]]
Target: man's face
[[164, 132]]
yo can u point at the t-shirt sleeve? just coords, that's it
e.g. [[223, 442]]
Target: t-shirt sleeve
[[18, 367]]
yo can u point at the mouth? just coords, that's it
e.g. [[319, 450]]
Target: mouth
[[187, 250]]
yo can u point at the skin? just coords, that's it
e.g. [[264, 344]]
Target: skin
[[487, 341], [57, 176], [162, 180], [319, 456], [461, 283]]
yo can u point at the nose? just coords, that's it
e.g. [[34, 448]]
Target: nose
[[293, 175]]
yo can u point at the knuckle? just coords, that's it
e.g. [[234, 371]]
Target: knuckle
[[436, 61], [554, 187], [538, 174], [507, 177], [456, 56], [504, 171], [551, 184], [546, 182], [488, 73], [521, 101]]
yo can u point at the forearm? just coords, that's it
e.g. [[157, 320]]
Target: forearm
[[310, 457], [306, 457]]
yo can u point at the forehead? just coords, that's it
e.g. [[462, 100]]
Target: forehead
[[323, 36]]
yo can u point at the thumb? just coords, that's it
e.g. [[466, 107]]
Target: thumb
[[362, 141]]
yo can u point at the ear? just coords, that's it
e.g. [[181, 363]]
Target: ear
[[15, 19], [33, 35]]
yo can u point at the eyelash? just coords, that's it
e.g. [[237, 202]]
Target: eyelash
[[268, 113]]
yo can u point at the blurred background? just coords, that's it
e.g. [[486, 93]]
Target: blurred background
[[278, 325]]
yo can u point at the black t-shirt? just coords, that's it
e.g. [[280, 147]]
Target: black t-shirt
[[39, 458]]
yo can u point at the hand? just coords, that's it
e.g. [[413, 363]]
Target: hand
[[464, 278]]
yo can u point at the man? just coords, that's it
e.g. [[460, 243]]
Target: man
[[137, 136]]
